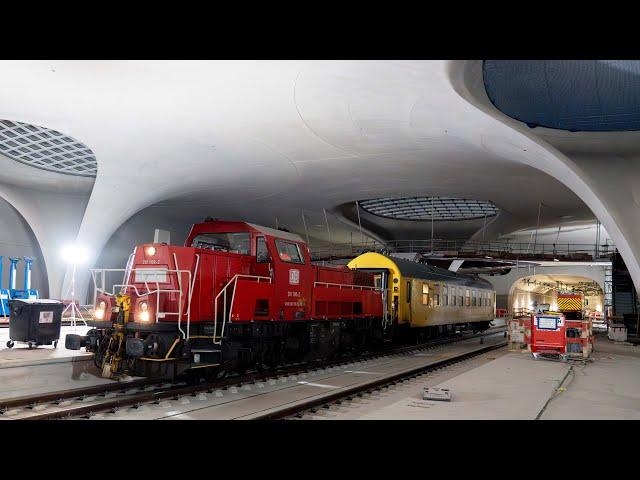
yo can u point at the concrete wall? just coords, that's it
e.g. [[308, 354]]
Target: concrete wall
[[526, 299], [17, 240]]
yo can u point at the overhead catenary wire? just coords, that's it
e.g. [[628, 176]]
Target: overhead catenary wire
[[359, 222], [306, 231]]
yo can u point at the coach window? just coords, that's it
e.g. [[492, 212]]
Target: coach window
[[460, 298], [445, 296], [289, 251], [425, 294], [468, 294], [474, 297], [454, 296], [262, 254], [408, 292]]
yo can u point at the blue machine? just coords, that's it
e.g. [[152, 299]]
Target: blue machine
[[12, 292], [5, 295], [26, 292]]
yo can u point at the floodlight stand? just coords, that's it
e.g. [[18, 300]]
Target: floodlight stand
[[72, 306]]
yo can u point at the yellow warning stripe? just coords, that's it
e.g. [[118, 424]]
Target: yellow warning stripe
[[569, 304]]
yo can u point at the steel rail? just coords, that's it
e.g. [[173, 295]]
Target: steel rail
[[33, 401]]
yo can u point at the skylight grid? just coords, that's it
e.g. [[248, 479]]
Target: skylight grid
[[46, 149], [426, 208]]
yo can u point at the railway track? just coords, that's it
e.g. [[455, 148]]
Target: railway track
[[86, 402], [26, 407], [298, 410]]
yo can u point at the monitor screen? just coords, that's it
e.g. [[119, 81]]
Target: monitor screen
[[547, 323]]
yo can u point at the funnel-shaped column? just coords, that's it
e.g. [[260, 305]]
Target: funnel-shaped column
[[28, 262], [13, 270]]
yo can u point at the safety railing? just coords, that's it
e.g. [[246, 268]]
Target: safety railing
[[493, 249], [521, 312], [226, 313], [342, 285], [142, 289]]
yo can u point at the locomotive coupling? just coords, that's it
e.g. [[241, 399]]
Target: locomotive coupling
[[76, 342], [134, 347]]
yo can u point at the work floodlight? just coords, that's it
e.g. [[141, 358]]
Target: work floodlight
[[75, 254]]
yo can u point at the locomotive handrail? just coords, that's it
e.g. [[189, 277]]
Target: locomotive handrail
[[340, 285], [223, 292], [191, 286], [127, 273], [123, 286]]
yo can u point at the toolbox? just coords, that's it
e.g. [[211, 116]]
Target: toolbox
[[35, 322]]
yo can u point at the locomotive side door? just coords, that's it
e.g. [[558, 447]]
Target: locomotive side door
[[263, 266], [293, 278]]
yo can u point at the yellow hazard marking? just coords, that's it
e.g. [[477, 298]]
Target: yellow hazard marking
[[569, 304]]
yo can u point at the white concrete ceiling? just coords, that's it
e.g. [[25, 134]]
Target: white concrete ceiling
[[257, 140]]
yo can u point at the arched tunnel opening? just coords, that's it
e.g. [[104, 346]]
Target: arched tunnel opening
[[527, 293]]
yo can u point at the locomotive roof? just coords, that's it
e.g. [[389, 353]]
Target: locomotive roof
[[214, 226], [409, 268], [277, 233]]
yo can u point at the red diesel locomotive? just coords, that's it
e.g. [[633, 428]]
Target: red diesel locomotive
[[237, 295]]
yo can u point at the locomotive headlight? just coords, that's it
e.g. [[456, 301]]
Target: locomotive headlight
[[99, 313], [150, 251], [143, 314]]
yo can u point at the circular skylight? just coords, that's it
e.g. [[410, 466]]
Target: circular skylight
[[574, 95], [46, 149], [426, 208]]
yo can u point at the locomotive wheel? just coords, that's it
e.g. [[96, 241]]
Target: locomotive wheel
[[262, 367], [192, 377], [10, 344], [219, 373]]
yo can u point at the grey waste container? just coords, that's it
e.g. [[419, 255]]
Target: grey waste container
[[35, 322]]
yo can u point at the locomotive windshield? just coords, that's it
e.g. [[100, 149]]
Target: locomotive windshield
[[236, 242], [289, 252]]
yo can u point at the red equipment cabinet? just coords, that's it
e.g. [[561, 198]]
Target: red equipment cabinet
[[579, 338], [548, 334]]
